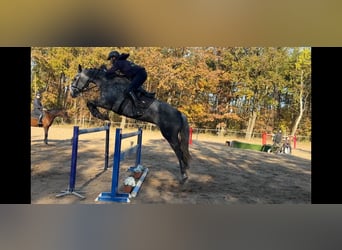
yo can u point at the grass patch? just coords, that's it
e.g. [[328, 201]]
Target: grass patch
[[244, 145]]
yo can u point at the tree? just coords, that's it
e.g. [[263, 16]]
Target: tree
[[301, 77], [241, 88], [257, 73]]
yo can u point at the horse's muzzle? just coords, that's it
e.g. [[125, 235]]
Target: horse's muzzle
[[74, 92]]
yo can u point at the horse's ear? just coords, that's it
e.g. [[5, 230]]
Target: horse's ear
[[79, 68]]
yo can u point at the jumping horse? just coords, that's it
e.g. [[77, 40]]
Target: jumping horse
[[172, 123], [48, 118]]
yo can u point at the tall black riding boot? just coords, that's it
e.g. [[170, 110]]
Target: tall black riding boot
[[136, 102], [148, 94], [40, 123]]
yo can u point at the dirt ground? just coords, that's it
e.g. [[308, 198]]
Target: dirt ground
[[218, 175]]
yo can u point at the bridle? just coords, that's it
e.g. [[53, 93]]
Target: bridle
[[85, 87]]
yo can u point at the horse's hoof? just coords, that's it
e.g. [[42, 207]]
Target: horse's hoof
[[184, 179]]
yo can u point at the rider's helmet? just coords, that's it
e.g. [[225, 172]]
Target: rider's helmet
[[113, 54], [38, 95]]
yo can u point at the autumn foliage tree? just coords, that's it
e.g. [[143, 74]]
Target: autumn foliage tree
[[249, 89]]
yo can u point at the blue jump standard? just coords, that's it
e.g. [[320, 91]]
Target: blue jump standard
[[114, 195], [72, 179]]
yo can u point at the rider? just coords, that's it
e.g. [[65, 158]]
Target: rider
[[38, 109], [137, 74], [277, 141]]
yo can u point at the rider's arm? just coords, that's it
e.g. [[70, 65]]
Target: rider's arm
[[113, 71]]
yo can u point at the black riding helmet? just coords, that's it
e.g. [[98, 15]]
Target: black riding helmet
[[113, 54]]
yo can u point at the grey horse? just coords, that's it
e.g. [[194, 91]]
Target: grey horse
[[172, 123]]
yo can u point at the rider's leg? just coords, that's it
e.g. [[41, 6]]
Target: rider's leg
[[40, 118], [148, 94], [136, 83], [135, 99], [136, 103]]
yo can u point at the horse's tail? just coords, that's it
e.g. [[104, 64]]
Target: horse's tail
[[184, 141]]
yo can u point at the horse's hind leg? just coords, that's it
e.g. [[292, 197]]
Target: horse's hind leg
[[182, 167], [172, 138]]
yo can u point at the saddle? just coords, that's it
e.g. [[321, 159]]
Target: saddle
[[36, 117], [145, 100]]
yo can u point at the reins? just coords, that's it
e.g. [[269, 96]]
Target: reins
[[90, 80], [88, 88]]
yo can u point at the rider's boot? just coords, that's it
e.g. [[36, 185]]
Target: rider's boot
[[40, 123], [136, 102], [148, 94]]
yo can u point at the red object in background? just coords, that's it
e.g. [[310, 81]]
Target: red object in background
[[294, 141], [190, 136], [264, 138]]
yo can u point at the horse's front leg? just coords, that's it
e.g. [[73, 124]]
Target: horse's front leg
[[92, 106]]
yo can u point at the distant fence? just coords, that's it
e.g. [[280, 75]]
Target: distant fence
[[196, 132]]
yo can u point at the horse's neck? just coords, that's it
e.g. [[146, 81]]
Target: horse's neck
[[52, 114], [99, 77], [115, 85]]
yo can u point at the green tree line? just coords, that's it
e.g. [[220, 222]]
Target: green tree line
[[253, 89]]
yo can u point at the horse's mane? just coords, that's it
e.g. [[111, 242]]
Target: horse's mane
[[101, 73], [95, 72]]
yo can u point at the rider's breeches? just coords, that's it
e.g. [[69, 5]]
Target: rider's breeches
[[137, 80]]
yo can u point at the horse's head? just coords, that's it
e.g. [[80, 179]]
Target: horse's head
[[63, 113], [80, 82]]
